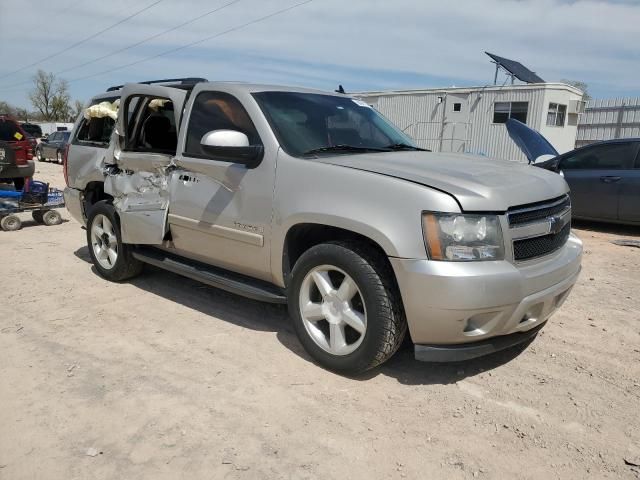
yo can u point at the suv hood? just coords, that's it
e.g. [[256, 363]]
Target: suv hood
[[477, 183]]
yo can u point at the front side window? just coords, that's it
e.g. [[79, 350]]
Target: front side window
[[556, 115], [217, 111], [613, 156], [503, 111], [308, 122]]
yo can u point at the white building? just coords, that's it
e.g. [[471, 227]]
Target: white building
[[471, 120]]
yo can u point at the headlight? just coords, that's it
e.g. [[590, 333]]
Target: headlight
[[462, 238]]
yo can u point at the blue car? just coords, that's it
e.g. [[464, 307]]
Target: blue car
[[604, 177]]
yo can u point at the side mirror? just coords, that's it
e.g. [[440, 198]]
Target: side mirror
[[231, 146]]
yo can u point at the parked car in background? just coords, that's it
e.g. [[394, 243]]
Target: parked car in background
[[52, 148], [604, 177], [16, 152], [274, 193]]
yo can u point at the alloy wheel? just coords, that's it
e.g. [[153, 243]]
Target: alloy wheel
[[104, 241], [332, 310]]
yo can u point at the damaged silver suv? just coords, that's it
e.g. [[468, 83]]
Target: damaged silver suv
[[313, 199]]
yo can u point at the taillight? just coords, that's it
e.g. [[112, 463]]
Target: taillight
[[29, 150], [65, 156]]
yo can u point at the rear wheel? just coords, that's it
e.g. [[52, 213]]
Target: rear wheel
[[112, 258], [345, 307], [10, 223]]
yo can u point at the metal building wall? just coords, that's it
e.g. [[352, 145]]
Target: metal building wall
[[606, 119], [419, 114], [492, 139]]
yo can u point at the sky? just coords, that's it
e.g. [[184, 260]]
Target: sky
[[363, 45]]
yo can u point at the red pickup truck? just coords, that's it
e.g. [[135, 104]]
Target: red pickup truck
[[16, 152]]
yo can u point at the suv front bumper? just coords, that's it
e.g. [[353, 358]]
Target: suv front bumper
[[452, 307]]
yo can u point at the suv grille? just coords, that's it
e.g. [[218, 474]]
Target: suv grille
[[538, 246], [533, 213]]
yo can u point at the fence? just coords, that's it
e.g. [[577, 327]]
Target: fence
[[606, 119]]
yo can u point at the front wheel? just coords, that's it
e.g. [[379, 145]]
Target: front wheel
[[112, 258], [345, 306], [59, 157]]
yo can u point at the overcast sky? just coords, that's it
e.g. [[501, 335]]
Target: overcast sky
[[374, 44]]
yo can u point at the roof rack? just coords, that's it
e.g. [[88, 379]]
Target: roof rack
[[179, 81]]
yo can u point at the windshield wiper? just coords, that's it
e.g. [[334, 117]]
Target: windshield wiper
[[345, 148], [405, 146]]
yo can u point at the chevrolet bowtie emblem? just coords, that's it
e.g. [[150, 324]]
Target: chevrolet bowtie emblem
[[555, 224]]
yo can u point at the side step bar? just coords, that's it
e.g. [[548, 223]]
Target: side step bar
[[216, 277]]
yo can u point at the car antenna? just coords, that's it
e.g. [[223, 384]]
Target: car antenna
[[340, 90]]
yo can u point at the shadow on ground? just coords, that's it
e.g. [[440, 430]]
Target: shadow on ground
[[611, 228], [267, 317]]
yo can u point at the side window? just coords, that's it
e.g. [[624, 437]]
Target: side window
[[637, 165], [502, 111], [556, 115], [96, 131], [151, 125], [217, 111], [614, 156]]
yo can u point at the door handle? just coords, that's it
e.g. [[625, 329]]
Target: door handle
[[610, 179]]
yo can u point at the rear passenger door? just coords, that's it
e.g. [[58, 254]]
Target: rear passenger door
[[145, 144], [147, 127], [629, 201], [594, 174]]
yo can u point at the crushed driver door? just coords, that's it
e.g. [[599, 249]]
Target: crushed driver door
[[144, 141]]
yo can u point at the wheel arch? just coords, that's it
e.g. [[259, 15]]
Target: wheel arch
[[92, 194], [301, 236]]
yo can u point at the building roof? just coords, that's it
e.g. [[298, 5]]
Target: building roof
[[486, 88]]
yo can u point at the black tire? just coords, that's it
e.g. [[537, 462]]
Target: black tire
[[51, 217], [385, 321], [125, 266], [37, 216], [10, 223], [59, 157]]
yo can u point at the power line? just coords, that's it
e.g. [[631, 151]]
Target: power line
[[210, 37], [147, 39], [80, 42]]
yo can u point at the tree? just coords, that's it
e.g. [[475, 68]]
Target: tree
[[7, 108], [50, 97], [580, 86], [78, 108]]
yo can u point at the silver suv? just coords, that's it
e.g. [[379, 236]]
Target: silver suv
[[313, 199]]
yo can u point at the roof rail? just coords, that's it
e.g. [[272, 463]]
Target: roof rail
[[179, 81]]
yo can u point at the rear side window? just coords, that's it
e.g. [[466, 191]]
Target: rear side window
[[217, 111], [96, 131], [9, 131], [613, 156]]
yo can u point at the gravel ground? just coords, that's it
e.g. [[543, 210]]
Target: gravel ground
[[164, 378]]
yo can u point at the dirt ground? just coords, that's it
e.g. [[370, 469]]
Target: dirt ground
[[164, 378]]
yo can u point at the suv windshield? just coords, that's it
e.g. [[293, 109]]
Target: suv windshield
[[317, 124]]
